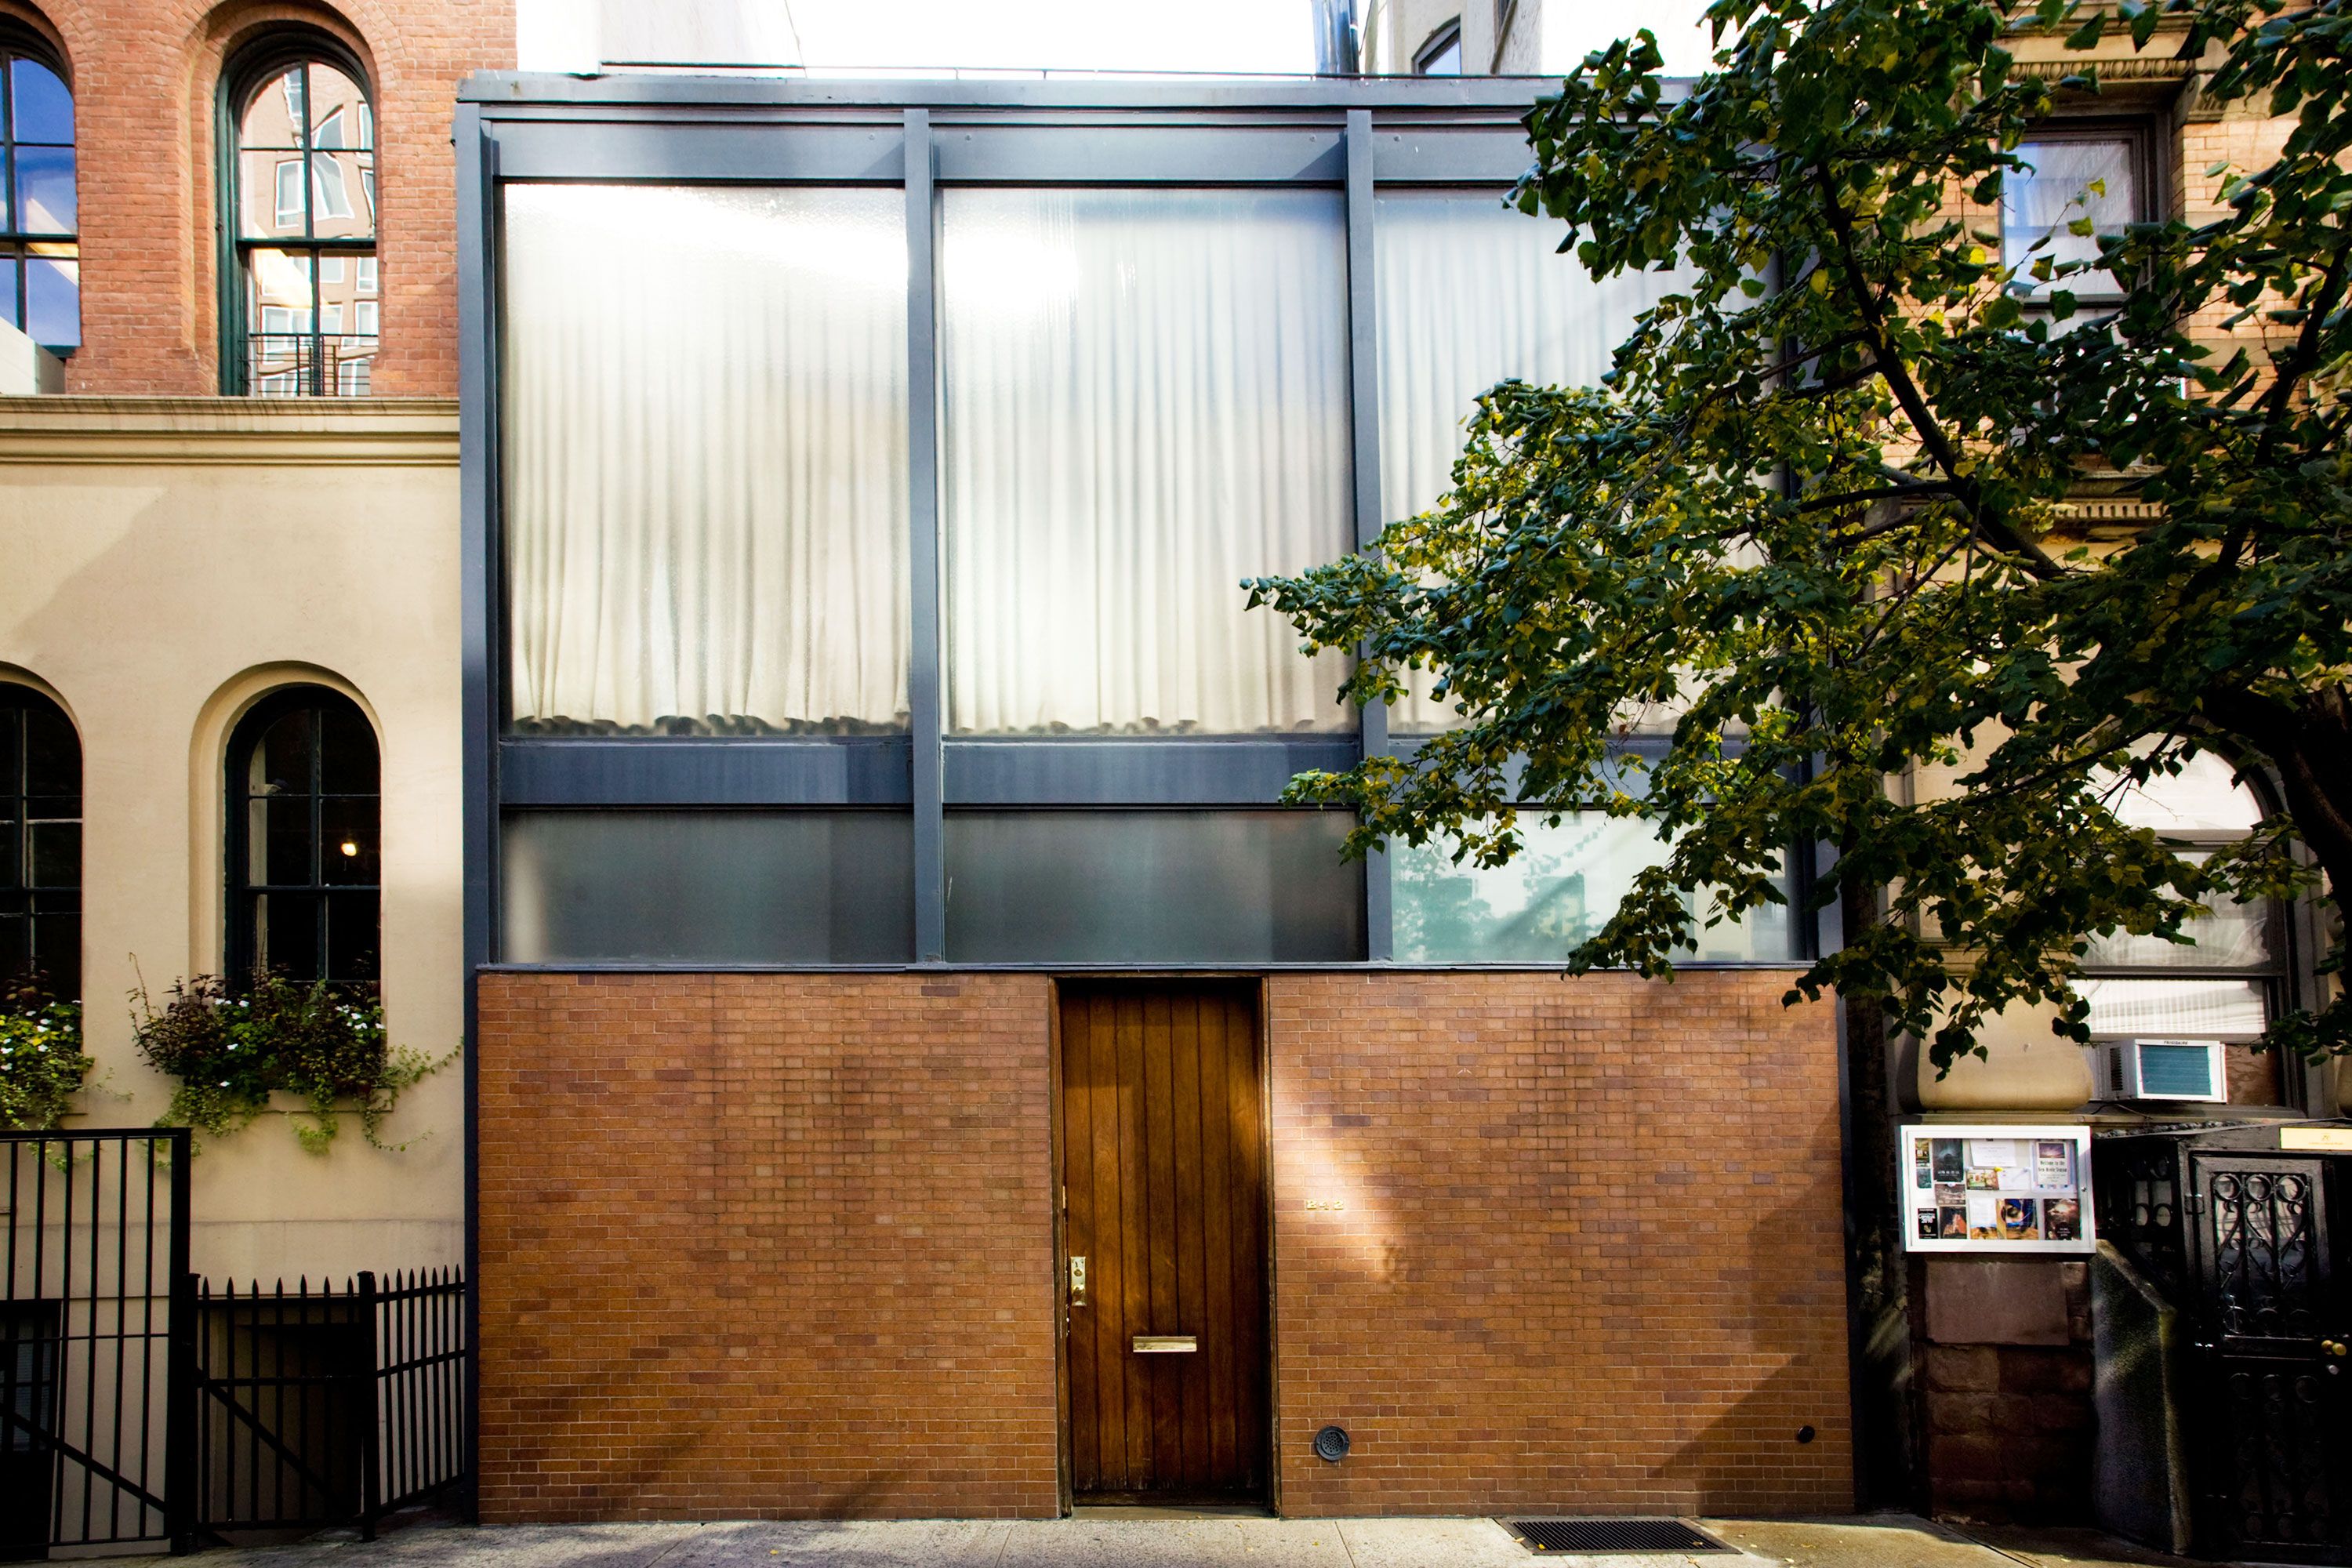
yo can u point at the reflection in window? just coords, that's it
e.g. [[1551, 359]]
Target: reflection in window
[[1146, 401], [2072, 178], [1559, 891], [40, 845], [1472, 292], [1152, 887], [304, 856], [40, 265], [708, 886], [707, 503], [304, 139], [1442, 55]]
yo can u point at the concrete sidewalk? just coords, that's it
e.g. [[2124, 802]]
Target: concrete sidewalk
[[1099, 1540]]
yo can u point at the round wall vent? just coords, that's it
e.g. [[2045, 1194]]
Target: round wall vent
[[1331, 1444]]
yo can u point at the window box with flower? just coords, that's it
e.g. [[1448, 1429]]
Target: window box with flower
[[324, 1043]]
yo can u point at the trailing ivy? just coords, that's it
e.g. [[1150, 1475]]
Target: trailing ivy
[[324, 1043], [41, 1061]]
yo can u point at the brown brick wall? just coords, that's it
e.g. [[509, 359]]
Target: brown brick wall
[[766, 1247], [781, 1245], [145, 75], [1590, 1254]]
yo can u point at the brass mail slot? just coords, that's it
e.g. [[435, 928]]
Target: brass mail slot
[[1166, 1344]]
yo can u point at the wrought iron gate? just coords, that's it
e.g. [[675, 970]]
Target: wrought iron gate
[[137, 1408], [316, 1406], [94, 1322], [2238, 1236], [2276, 1415]]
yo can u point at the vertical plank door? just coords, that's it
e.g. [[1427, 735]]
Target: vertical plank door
[[1163, 1168]]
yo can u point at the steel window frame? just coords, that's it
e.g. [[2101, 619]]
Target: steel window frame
[[1354, 136]]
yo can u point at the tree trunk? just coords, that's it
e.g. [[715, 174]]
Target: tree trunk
[[1887, 1470]]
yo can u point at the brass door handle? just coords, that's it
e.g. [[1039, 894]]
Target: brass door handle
[[2334, 1347], [1077, 1280]]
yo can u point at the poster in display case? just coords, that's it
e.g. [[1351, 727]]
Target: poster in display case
[[2009, 1188]]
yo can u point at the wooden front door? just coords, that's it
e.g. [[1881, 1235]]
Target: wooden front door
[[1163, 1260]]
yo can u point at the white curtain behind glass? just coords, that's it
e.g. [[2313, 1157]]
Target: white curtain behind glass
[[1146, 402], [1472, 292], [705, 452], [2041, 204]]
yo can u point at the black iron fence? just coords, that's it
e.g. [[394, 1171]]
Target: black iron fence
[[139, 1407], [320, 1406], [94, 1318]]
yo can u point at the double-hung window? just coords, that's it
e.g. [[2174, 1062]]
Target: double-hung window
[[301, 183]]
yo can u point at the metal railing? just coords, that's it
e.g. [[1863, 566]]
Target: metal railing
[[139, 1407], [95, 1315], [321, 1406]]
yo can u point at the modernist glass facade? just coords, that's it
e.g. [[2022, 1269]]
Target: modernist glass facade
[[862, 490]]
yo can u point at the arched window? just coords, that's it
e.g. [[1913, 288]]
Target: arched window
[[303, 867], [302, 308], [40, 262], [40, 845]]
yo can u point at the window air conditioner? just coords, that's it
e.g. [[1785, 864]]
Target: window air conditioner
[[2161, 1069]]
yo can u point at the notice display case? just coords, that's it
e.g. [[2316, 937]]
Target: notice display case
[[2007, 1188]]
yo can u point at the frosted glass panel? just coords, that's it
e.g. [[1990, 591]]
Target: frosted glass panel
[[1146, 402], [704, 458], [1560, 889], [1472, 292], [2202, 799], [1152, 887], [708, 886], [2191, 1008], [2233, 935]]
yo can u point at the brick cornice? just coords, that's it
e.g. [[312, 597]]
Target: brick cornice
[[251, 431]]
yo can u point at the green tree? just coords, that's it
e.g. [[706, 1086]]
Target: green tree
[[1816, 510]]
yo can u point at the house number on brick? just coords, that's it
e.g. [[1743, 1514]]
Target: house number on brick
[[1333, 1204]]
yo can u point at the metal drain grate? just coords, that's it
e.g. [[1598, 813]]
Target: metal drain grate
[[1605, 1535]]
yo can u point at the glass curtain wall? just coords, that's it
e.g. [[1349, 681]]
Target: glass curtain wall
[[1146, 401], [1145, 396], [706, 460]]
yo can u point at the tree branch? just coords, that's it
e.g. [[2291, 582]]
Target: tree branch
[[1923, 423]]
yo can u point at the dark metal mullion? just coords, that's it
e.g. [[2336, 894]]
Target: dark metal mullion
[[317, 799], [926, 682], [318, 343], [1364, 415]]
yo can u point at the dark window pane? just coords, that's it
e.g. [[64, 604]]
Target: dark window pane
[[15, 938], [281, 763], [285, 933], [348, 853], [53, 854], [12, 848], [57, 947], [347, 753], [12, 750], [1152, 887], [282, 841], [53, 301], [52, 753], [353, 928], [44, 109], [708, 886], [45, 190]]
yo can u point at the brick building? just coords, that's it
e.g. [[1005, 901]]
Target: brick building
[[777, 537]]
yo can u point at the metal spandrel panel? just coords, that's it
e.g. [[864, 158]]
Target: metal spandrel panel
[[1136, 154], [642, 150]]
